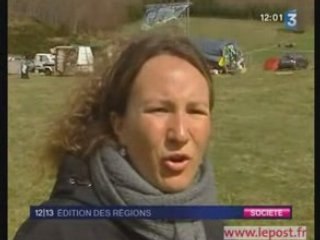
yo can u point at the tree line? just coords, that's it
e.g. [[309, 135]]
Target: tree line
[[74, 16]]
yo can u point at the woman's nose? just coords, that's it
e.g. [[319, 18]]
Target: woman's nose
[[178, 129]]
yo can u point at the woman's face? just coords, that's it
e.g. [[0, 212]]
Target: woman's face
[[166, 127]]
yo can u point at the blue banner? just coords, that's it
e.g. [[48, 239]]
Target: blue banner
[[161, 212]]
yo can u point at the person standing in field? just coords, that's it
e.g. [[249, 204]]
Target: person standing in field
[[24, 71]]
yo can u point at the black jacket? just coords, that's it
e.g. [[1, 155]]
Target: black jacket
[[73, 187]]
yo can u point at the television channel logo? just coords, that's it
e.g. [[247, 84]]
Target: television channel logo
[[291, 19]]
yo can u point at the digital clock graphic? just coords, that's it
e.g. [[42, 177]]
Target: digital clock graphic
[[271, 17]]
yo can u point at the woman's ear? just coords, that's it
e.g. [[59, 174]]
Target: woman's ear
[[117, 123]]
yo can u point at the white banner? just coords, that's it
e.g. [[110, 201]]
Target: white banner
[[265, 232]]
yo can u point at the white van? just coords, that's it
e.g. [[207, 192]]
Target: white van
[[44, 63]]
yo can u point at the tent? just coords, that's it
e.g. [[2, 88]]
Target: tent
[[223, 55], [271, 64]]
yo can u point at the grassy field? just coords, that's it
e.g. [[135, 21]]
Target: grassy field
[[262, 148]]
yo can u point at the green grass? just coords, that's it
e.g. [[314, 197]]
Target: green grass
[[262, 146]]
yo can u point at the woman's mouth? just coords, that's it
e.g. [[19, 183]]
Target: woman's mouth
[[176, 162]]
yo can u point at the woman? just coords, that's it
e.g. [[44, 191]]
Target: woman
[[137, 136]]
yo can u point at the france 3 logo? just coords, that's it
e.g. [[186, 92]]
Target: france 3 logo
[[291, 19]]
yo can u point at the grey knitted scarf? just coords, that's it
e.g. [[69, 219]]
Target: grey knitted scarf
[[117, 183]]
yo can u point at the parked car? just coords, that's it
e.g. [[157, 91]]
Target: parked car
[[293, 61], [44, 63]]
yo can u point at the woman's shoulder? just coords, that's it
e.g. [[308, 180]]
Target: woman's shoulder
[[91, 229], [69, 229]]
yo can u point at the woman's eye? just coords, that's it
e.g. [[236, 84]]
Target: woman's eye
[[157, 109], [198, 112]]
